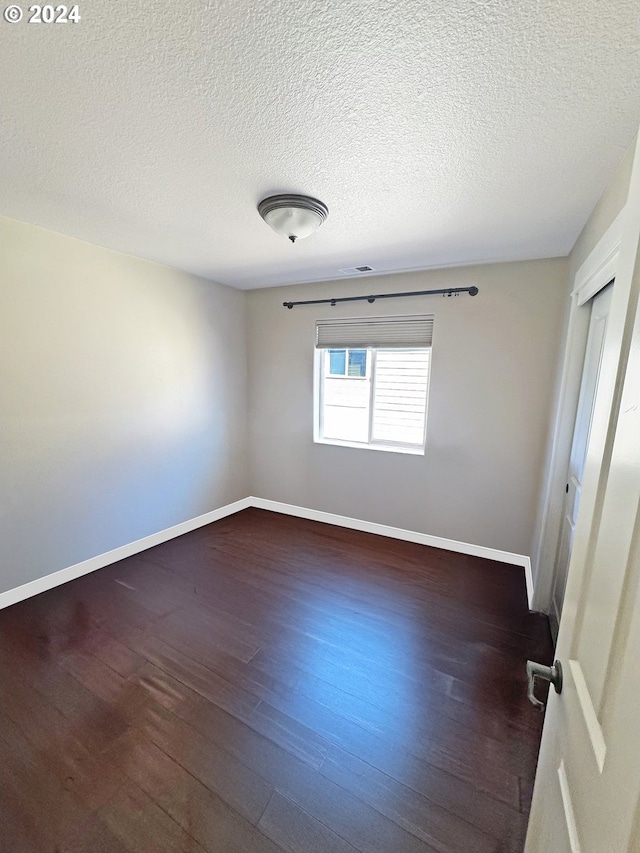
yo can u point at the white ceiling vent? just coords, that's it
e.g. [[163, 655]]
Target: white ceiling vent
[[365, 268]]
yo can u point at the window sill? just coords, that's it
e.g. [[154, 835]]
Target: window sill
[[385, 448]]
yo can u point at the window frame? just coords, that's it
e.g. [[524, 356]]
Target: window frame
[[318, 404]]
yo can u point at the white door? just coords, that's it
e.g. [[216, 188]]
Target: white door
[[587, 790], [582, 429]]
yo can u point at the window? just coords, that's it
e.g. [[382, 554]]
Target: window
[[371, 391], [347, 362]]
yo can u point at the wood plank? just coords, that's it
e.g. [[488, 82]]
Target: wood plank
[[200, 812], [140, 824], [218, 769], [297, 831]]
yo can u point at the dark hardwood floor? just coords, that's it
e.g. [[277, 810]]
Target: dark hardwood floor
[[267, 683]]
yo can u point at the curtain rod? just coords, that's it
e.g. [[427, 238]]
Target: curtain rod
[[448, 291]]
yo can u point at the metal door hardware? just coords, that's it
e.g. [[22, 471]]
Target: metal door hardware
[[548, 673]]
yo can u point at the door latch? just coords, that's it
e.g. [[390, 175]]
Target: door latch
[[548, 673]]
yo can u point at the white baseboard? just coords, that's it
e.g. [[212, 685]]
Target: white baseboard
[[400, 533], [12, 596]]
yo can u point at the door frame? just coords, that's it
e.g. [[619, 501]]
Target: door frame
[[599, 268], [606, 534]]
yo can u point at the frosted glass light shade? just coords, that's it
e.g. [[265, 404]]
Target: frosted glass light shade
[[293, 216]]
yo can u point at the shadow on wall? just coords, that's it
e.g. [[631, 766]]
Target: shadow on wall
[[125, 400]]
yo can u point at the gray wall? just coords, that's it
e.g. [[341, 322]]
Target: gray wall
[[122, 400], [494, 360]]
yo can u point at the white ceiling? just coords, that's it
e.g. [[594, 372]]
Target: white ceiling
[[437, 131]]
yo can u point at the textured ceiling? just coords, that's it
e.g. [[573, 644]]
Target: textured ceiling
[[437, 131]]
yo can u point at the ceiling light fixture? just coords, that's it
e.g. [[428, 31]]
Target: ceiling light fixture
[[293, 216]]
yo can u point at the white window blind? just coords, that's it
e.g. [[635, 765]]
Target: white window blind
[[377, 332]]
